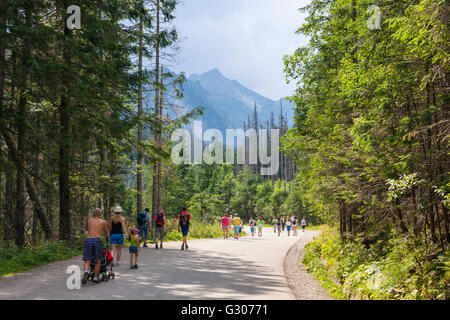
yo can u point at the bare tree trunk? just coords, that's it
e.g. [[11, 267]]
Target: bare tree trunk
[[9, 205], [65, 228], [155, 191], [139, 182]]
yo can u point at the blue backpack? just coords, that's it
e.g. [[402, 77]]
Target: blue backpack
[[142, 218]]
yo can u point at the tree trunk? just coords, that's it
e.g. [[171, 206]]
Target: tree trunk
[[65, 228], [399, 216], [64, 183], [32, 191], [155, 190], [139, 182]]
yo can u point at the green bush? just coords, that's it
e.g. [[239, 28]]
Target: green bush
[[390, 268]]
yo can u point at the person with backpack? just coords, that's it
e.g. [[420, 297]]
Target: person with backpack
[[294, 226], [183, 223], [251, 222], [283, 223], [274, 223], [160, 222], [143, 222], [279, 225]]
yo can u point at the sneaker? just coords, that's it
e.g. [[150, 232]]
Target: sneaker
[[161, 246], [135, 266], [186, 246], [145, 245], [117, 263], [95, 281], [85, 278], [156, 246], [182, 247]]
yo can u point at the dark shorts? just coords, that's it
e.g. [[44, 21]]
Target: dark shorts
[[93, 248], [184, 231], [133, 249], [143, 231], [159, 233]]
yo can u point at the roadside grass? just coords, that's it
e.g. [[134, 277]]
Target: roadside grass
[[13, 260], [321, 227], [392, 268]]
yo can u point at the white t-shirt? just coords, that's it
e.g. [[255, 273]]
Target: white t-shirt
[[288, 223], [303, 222]]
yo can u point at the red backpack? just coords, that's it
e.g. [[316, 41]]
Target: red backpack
[[159, 220]]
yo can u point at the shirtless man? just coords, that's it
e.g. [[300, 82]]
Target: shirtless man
[[93, 245]]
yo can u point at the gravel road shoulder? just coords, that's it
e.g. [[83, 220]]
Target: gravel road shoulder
[[303, 284]]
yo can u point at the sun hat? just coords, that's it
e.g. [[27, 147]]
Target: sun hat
[[134, 230], [118, 209]]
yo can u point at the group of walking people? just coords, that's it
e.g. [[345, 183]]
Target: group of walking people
[[289, 224], [229, 221], [115, 230], [280, 224]]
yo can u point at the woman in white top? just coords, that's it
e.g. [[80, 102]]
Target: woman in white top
[[288, 226]]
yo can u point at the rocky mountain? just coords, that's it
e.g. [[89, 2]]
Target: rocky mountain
[[228, 103]]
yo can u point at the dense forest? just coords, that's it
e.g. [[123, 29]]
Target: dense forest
[[85, 123], [371, 137]]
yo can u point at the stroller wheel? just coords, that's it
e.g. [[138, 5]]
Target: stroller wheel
[[113, 275]]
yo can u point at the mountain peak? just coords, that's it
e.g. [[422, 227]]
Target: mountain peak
[[213, 72]]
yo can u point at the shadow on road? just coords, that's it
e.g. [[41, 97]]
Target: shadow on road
[[167, 274]]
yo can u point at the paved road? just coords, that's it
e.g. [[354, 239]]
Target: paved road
[[248, 269]]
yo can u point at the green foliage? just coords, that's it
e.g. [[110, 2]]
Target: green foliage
[[391, 268]]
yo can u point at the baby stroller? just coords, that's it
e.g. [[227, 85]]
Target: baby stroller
[[106, 271]]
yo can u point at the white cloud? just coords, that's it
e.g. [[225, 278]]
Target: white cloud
[[245, 39]]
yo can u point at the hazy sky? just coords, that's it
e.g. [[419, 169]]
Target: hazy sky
[[245, 39]]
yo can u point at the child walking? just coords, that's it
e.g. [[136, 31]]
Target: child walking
[[134, 247], [252, 227]]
